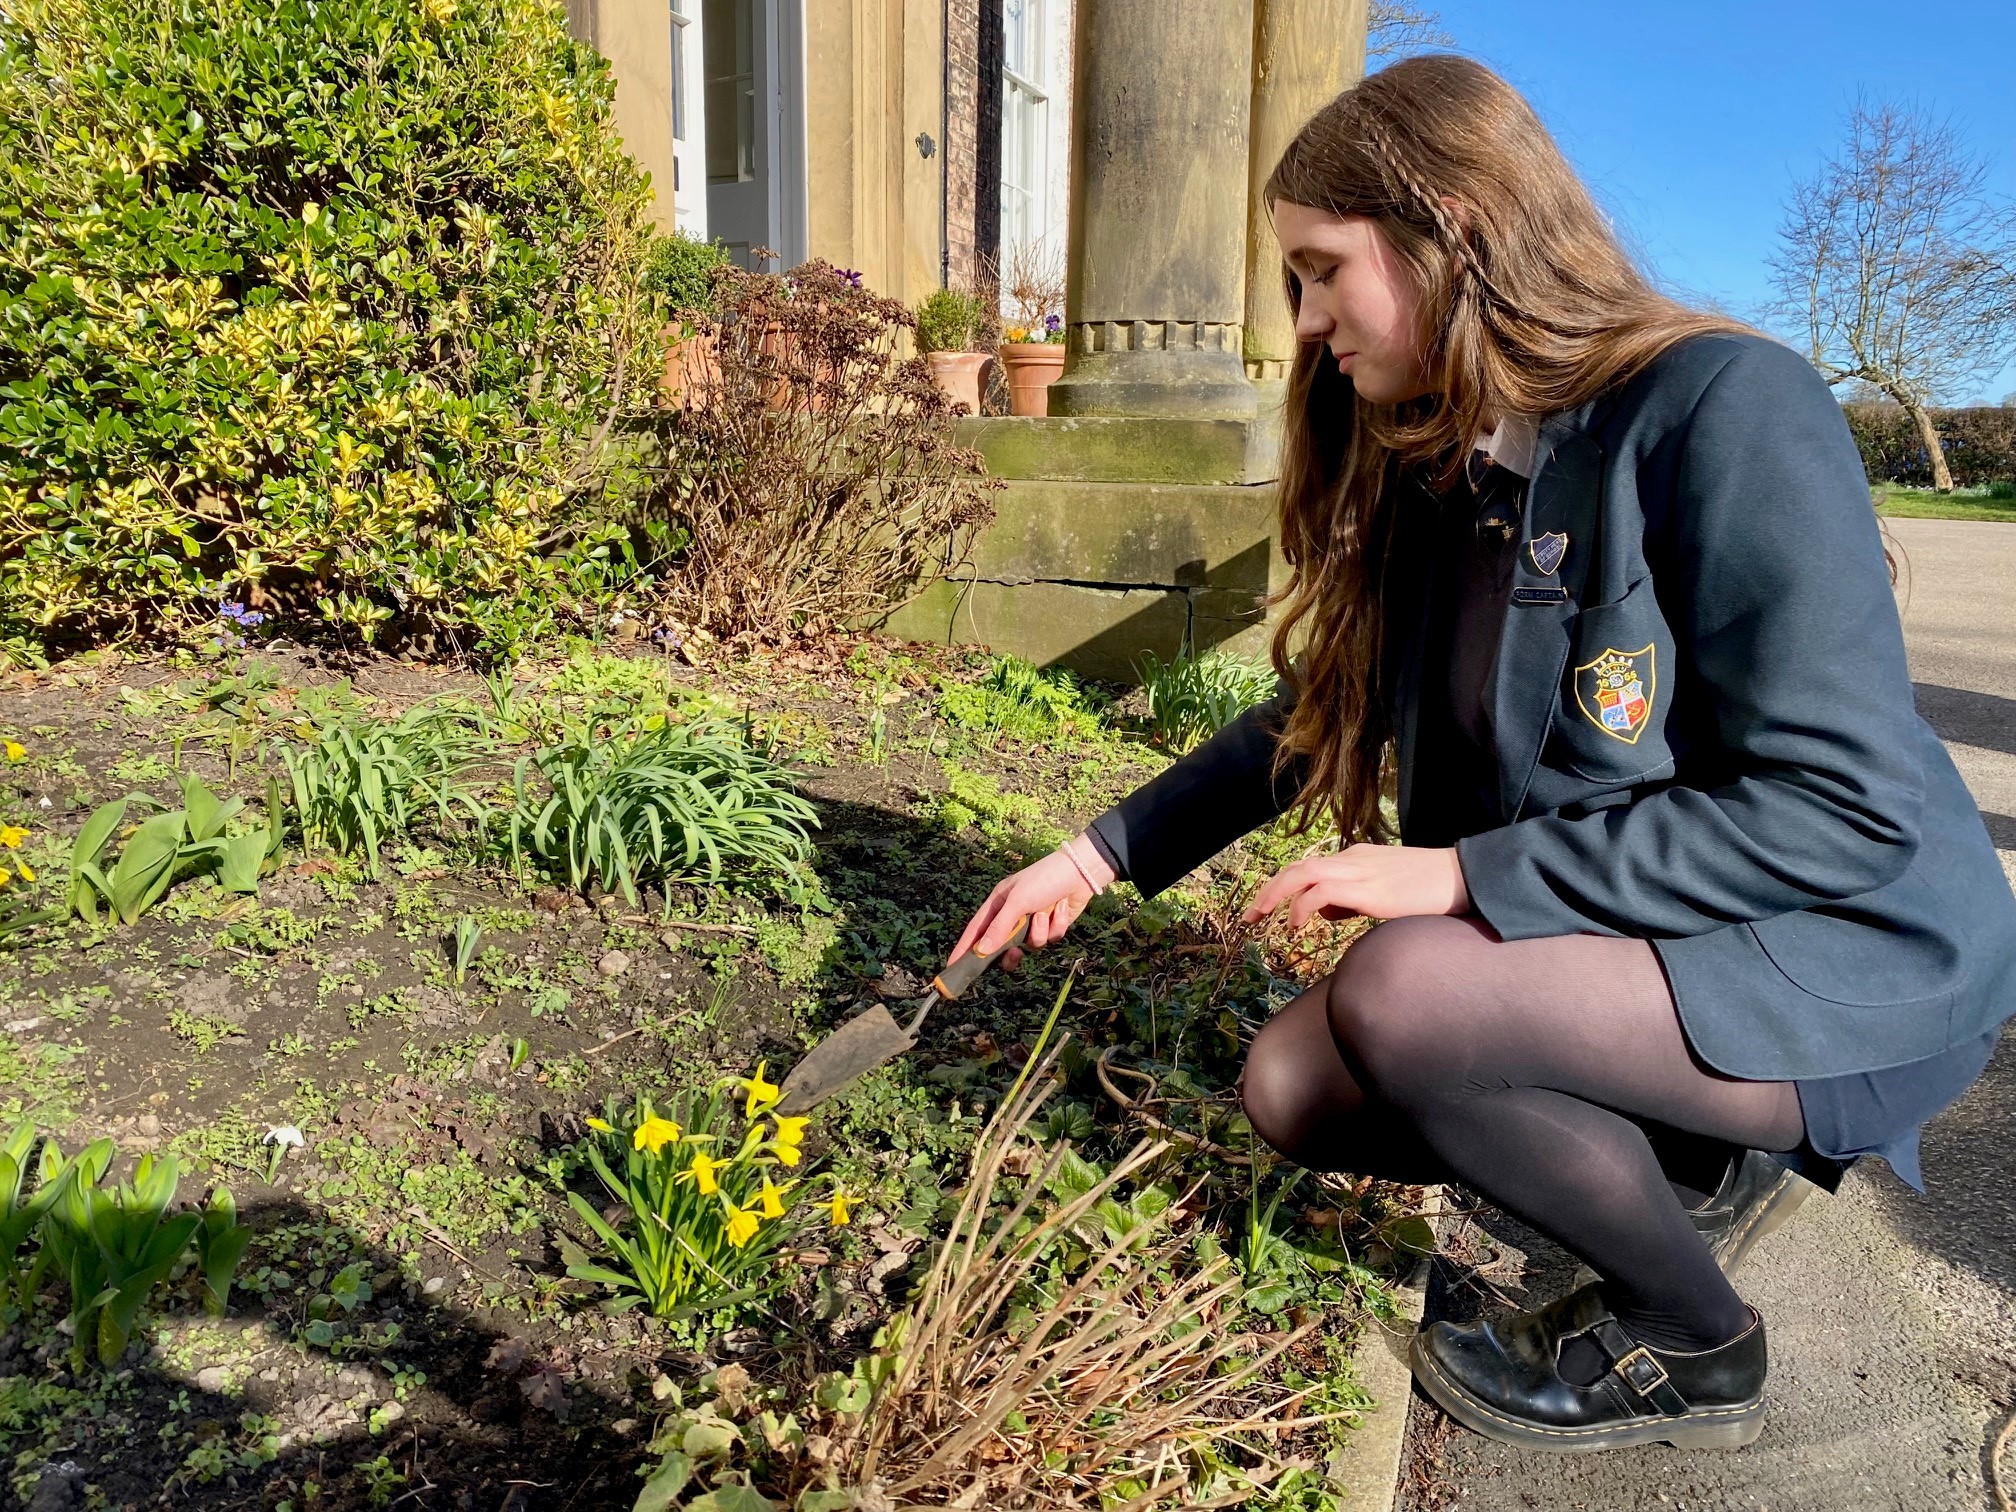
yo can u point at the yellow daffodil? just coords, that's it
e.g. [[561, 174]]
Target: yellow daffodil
[[742, 1226], [702, 1170], [599, 1126], [837, 1210], [762, 1094], [27, 875], [16, 750], [654, 1134], [790, 1134], [772, 1199], [12, 835], [5, 876]]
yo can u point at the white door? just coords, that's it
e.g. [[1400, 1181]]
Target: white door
[[755, 92]]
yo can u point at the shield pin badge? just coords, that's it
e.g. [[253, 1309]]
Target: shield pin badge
[[1548, 551], [1616, 691]]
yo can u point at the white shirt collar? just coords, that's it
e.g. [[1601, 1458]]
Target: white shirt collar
[[1512, 444]]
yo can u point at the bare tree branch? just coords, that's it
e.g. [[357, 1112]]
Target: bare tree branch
[[1399, 26], [1894, 265]]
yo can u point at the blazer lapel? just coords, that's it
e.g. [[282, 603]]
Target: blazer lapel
[[1407, 631], [1563, 510]]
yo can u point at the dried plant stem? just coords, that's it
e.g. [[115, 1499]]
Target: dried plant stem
[[1105, 1380]]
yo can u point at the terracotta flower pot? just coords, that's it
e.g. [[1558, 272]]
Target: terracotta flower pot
[[1032, 366], [959, 375], [692, 368]]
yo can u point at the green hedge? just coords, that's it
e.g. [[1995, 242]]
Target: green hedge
[[1980, 444], [317, 307]]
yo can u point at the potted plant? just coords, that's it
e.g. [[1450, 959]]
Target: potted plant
[[680, 269], [1032, 347], [949, 324]]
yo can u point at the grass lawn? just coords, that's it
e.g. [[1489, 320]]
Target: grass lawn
[[1923, 504], [404, 1330]]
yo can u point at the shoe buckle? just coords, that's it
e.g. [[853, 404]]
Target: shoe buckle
[[1641, 1372]]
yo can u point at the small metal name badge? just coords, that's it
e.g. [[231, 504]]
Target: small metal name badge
[[1539, 595]]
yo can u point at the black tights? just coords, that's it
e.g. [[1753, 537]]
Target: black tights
[[1550, 1076]]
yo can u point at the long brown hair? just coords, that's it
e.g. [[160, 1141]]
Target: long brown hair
[[1528, 306]]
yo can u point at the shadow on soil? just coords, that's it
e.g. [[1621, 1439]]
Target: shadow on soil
[[507, 1420]]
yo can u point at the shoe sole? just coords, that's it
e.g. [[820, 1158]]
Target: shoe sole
[[1779, 1204], [1784, 1199], [1700, 1428]]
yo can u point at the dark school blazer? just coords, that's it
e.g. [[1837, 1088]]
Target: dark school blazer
[[1705, 733]]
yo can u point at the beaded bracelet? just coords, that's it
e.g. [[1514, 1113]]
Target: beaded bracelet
[[1083, 870]]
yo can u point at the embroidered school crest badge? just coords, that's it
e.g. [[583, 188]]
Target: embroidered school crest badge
[[1548, 550], [1616, 691]]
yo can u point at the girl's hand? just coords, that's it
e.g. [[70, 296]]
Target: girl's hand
[[1051, 891], [1379, 881]]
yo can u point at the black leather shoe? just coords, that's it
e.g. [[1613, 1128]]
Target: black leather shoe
[[1503, 1379], [1755, 1198]]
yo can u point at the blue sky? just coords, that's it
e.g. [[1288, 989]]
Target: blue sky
[[1691, 120]]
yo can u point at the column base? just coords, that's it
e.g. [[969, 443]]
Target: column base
[[1142, 367]]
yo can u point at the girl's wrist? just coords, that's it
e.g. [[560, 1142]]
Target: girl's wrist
[[1084, 855], [1461, 904]]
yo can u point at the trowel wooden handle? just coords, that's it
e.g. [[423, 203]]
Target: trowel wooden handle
[[964, 972]]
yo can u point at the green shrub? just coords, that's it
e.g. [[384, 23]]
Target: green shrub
[[1980, 443], [670, 802], [328, 308], [950, 320], [681, 268], [1193, 697]]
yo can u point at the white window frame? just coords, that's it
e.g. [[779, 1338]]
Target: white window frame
[[689, 118], [1025, 112]]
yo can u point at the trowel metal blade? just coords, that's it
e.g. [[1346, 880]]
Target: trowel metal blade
[[853, 1050]]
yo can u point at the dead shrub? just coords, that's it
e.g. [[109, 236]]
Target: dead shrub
[[812, 470], [1006, 1385]]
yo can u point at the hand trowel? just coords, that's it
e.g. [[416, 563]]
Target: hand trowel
[[874, 1038]]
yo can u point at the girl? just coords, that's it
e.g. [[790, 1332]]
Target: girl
[[1687, 897]]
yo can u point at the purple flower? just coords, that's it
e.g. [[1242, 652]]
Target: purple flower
[[1053, 322], [238, 614], [853, 278]]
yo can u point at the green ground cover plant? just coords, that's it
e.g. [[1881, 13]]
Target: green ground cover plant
[[1015, 698], [324, 310]]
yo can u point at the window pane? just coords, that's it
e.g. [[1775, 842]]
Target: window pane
[[679, 24], [1022, 38], [728, 52]]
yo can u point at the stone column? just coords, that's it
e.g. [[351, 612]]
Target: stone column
[[1161, 108], [1305, 52]]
